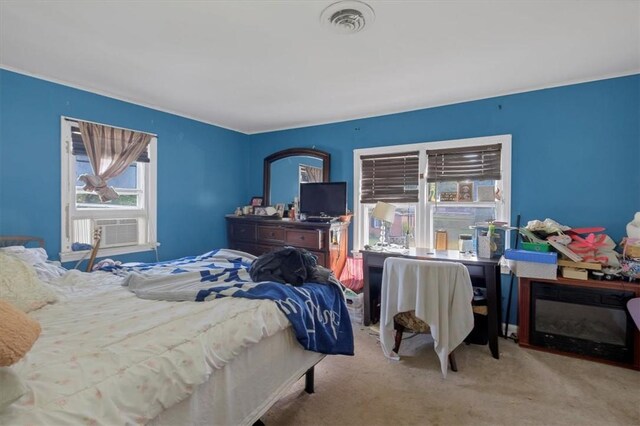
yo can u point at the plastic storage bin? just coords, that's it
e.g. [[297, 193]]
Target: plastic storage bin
[[355, 306], [489, 247], [541, 247], [532, 264], [532, 256]]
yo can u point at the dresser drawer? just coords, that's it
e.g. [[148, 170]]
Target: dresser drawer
[[270, 233], [242, 231], [303, 238], [322, 258], [263, 248], [247, 248]]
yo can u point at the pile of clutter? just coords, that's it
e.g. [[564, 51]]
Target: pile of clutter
[[580, 253]]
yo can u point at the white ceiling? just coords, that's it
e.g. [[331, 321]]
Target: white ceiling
[[256, 66]]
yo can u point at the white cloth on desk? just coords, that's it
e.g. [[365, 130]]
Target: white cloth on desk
[[439, 292]]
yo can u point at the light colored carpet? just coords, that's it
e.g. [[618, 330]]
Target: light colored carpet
[[522, 387]]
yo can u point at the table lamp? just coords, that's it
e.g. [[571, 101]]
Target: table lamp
[[385, 213]]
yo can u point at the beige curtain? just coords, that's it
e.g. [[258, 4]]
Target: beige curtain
[[110, 152]]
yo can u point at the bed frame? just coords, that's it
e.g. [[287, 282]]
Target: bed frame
[[20, 240], [26, 240]]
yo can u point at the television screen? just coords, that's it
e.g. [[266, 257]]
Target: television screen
[[323, 199]]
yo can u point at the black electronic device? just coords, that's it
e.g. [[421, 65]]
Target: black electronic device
[[319, 219], [323, 199]]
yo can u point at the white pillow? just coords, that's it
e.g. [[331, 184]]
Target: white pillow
[[37, 257], [20, 286], [12, 387], [30, 255]]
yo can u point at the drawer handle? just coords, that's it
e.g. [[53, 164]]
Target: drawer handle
[[273, 234], [301, 237]]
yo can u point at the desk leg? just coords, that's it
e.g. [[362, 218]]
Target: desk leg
[[494, 306], [367, 291]]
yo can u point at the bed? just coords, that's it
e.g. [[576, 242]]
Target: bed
[[106, 356]]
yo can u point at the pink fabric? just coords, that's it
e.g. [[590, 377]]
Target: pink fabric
[[351, 276], [633, 306]]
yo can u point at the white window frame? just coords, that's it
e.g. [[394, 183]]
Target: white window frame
[[147, 209], [423, 233]]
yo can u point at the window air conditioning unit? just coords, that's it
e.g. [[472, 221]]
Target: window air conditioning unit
[[117, 232]]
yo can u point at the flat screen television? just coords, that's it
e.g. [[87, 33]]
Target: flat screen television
[[323, 199]]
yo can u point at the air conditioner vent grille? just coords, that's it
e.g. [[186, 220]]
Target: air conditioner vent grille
[[118, 232]]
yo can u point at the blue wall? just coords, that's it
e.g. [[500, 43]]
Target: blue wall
[[576, 156], [200, 167], [576, 149]]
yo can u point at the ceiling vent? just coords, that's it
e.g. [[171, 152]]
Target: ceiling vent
[[347, 17]]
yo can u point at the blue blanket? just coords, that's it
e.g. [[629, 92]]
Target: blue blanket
[[317, 312]]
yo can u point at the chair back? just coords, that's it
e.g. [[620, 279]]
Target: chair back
[[415, 278], [439, 292]]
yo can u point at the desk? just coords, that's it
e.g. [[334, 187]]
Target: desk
[[483, 272]]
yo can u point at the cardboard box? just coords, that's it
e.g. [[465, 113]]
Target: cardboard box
[[580, 265], [484, 247], [576, 274], [526, 269]]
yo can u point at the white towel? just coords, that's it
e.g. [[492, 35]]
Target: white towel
[[439, 292]]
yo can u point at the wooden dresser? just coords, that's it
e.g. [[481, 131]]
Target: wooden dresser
[[255, 235]]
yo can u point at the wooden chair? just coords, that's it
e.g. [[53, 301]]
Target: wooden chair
[[407, 321], [425, 297]]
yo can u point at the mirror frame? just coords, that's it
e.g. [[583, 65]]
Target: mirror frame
[[292, 152]]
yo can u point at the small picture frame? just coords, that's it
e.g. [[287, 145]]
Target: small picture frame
[[465, 191], [260, 211], [256, 201], [280, 209], [448, 196]]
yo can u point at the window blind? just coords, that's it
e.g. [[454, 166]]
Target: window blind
[[78, 147], [470, 163], [392, 178]]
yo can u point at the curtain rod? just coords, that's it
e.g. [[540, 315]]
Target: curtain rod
[[76, 120]]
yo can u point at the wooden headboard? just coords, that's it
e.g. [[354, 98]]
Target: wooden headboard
[[20, 240]]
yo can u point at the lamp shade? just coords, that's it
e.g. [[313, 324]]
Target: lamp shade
[[384, 211]]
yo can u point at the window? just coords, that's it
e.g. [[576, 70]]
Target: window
[[446, 185], [309, 174], [128, 223]]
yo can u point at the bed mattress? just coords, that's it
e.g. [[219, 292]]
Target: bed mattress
[[242, 391], [108, 357]]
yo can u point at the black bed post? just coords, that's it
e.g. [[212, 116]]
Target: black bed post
[[308, 381]]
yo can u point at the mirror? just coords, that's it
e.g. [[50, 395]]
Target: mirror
[[285, 170]]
